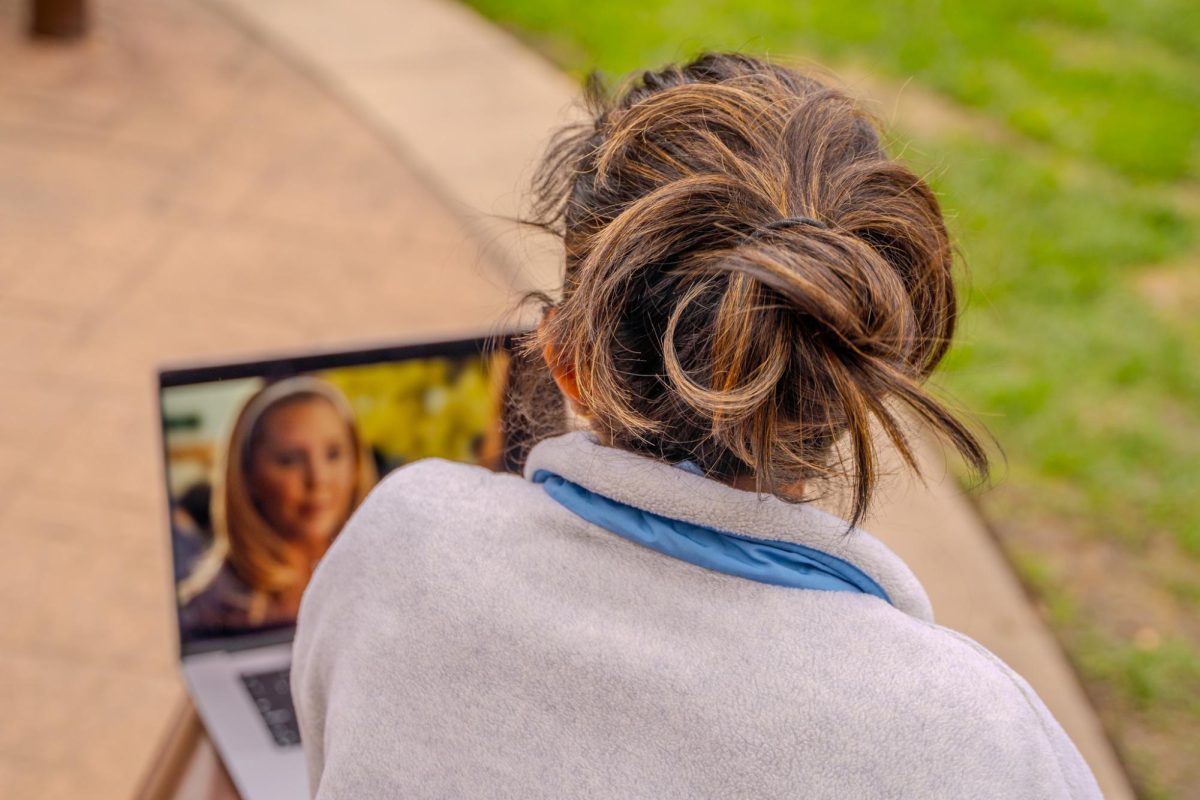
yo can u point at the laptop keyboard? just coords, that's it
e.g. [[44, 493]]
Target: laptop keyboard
[[272, 694]]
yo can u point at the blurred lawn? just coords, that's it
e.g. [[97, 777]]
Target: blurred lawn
[[1080, 347], [1112, 81]]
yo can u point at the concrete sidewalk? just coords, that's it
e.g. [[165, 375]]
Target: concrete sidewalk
[[175, 188], [172, 190]]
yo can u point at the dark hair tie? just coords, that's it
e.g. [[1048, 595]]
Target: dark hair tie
[[789, 222]]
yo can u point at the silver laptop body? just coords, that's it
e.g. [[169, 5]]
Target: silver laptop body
[[238, 676], [262, 766]]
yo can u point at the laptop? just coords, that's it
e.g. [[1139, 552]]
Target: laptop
[[264, 463]]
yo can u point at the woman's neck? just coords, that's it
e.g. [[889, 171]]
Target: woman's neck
[[746, 483]]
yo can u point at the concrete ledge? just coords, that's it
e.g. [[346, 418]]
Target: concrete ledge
[[470, 109]]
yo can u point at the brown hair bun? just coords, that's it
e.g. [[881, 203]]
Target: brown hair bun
[[748, 276]]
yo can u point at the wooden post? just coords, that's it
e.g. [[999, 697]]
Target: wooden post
[[58, 19]]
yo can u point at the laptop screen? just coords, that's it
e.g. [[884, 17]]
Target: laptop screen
[[266, 461]]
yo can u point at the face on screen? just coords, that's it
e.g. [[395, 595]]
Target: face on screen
[[264, 474], [301, 470]]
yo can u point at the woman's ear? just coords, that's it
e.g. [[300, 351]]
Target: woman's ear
[[562, 369]]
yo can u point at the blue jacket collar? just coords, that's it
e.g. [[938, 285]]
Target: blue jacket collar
[[693, 504], [778, 563]]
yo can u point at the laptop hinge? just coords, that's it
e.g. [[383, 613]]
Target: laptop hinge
[[242, 641]]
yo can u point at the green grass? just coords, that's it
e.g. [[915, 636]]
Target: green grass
[[1163, 680], [1039, 575], [1094, 394], [1155, 689], [1079, 379], [1161, 677], [1117, 82]]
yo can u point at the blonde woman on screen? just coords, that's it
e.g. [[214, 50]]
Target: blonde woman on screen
[[294, 470]]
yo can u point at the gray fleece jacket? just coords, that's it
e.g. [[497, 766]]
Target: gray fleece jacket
[[466, 636]]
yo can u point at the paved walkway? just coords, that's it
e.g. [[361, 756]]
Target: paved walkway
[[171, 189], [176, 188]]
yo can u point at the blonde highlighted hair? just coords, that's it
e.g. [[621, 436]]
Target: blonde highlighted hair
[[265, 561]]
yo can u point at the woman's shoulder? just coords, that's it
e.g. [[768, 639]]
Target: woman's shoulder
[[415, 542], [431, 477], [981, 705], [426, 505], [984, 676], [951, 663], [434, 489]]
